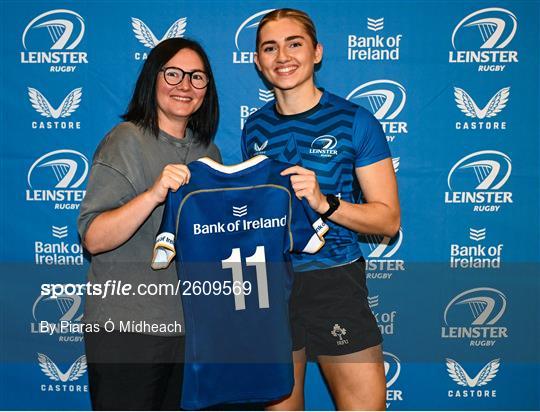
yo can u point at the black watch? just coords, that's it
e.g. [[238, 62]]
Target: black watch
[[333, 201]]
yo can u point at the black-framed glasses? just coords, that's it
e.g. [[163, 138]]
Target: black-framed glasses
[[175, 75]]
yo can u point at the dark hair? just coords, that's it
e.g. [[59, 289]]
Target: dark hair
[[293, 14], [142, 109]]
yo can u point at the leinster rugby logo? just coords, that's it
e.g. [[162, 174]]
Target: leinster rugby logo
[[324, 146], [481, 37], [244, 38], [392, 370], [490, 169], [57, 177], [480, 309], [385, 99], [64, 27], [477, 178], [58, 32]]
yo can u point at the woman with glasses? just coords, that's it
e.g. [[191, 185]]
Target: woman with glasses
[[336, 142], [134, 360]]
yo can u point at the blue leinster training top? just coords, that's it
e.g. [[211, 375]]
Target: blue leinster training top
[[331, 139], [232, 229]]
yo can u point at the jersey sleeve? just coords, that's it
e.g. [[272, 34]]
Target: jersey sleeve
[[164, 249], [107, 189], [243, 145], [307, 228], [369, 139]]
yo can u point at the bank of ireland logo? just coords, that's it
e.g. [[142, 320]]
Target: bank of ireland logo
[[58, 252], [479, 178], [266, 95], [374, 46], [65, 30], [244, 38], [392, 370], [482, 36], [239, 211], [53, 372], [480, 309], [477, 234], [51, 37], [385, 319], [59, 232], [57, 177], [385, 99], [375, 24], [324, 146]]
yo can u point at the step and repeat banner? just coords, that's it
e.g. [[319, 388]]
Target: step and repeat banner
[[455, 86]]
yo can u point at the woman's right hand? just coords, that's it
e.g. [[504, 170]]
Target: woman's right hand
[[172, 177]]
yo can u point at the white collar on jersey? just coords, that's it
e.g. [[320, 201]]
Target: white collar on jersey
[[232, 168]]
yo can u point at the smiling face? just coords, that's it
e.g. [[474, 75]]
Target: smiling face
[[286, 55], [175, 104]]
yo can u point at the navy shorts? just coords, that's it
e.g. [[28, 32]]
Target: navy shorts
[[329, 311]]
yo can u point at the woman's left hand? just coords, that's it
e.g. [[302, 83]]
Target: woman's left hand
[[305, 185]]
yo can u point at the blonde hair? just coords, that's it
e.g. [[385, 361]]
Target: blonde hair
[[297, 15]]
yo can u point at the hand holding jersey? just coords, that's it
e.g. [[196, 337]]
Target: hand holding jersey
[[306, 185], [171, 178]]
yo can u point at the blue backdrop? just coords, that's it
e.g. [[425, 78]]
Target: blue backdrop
[[456, 87]]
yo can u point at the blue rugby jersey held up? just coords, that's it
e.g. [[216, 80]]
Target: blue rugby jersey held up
[[331, 139], [228, 226]]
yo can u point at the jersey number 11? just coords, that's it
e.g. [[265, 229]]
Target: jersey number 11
[[258, 259]]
